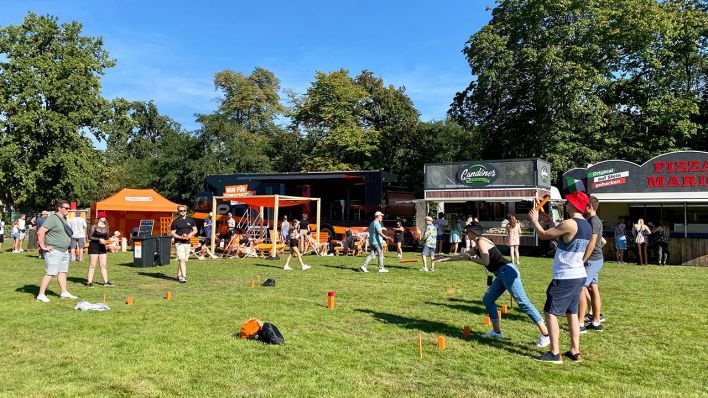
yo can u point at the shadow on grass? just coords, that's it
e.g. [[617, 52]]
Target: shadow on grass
[[340, 267], [76, 279], [34, 290], [445, 329], [478, 308], [157, 275], [268, 265]]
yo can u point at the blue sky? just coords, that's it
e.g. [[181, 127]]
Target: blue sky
[[169, 51]]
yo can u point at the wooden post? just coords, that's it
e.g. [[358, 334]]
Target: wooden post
[[214, 225], [441, 342], [318, 219], [420, 345], [168, 295], [466, 331]]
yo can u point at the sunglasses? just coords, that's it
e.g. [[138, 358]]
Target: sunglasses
[[182, 211], [66, 208]]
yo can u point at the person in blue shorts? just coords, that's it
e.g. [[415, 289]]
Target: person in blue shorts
[[620, 240], [569, 275], [429, 239]]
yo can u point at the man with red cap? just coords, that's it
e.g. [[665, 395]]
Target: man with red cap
[[569, 275]]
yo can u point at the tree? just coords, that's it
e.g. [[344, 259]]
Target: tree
[[240, 136], [578, 82], [49, 101]]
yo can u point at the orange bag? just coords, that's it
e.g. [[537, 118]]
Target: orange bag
[[250, 328]]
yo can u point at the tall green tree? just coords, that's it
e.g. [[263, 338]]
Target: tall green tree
[[242, 134], [580, 81], [50, 102]]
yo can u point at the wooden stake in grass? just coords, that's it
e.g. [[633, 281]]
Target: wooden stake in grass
[[511, 301], [104, 298], [330, 300], [130, 300], [420, 345], [499, 314], [504, 310], [258, 277], [251, 283], [168, 295], [487, 321], [466, 331], [450, 291], [441, 342], [408, 260]]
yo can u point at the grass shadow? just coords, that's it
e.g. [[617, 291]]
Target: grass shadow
[[448, 330], [157, 275], [33, 290], [478, 309], [340, 267], [268, 265], [76, 279]]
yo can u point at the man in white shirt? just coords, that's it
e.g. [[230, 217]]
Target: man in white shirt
[[78, 238]]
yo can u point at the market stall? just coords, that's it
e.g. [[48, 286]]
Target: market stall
[[670, 189], [491, 190], [126, 208]]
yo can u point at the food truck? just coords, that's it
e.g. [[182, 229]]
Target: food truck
[[491, 190], [670, 189]]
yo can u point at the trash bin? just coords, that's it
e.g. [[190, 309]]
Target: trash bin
[[163, 246], [144, 251]]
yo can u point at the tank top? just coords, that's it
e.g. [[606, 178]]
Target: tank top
[[568, 262], [496, 259]]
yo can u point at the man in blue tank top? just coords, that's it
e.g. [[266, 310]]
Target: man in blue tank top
[[569, 275]]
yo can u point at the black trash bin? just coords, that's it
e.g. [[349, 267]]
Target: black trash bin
[[162, 249], [144, 251]]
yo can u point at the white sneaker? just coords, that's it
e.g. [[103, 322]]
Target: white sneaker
[[43, 298], [383, 270], [67, 295], [306, 267], [200, 257], [287, 268], [424, 269], [543, 341], [363, 269], [494, 335], [399, 256], [213, 256]]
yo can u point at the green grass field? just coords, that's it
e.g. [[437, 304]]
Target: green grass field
[[655, 342]]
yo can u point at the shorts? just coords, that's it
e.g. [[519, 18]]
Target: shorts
[[17, 235], [562, 296], [593, 270], [2, 238], [78, 243], [56, 262], [621, 242], [182, 251], [428, 251]]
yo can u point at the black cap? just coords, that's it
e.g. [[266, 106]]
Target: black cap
[[475, 228]]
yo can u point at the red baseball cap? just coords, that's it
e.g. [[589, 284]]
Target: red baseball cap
[[579, 200], [102, 214]]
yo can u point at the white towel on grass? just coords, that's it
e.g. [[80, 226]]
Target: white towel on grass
[[86, 306]]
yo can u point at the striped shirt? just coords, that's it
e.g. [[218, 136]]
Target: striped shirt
[[568, 263]]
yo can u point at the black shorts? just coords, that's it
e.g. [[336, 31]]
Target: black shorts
[[562, 296], [96, 248], [397, 238], [294, 242]]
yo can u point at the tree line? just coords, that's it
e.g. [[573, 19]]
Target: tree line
[[571, 82]]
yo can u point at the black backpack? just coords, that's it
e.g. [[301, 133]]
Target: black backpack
[[268, 282], [270, 334]]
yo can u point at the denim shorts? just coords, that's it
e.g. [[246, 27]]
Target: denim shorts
[[78, 243], [593, 270], [56, 262], [562, 296], [428, 251]]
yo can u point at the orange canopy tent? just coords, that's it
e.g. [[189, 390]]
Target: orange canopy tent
[[126, 208], [261, 201]]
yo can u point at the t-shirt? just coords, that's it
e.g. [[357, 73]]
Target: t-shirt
[[78, 225], [374, 231], [620, 230], [231, 223], [304, 227], [440, 225], [596, 224], [430, 235], [182, 226], [40, 221], [56, 235], [207, 227]]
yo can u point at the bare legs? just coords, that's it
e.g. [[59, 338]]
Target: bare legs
[[102, 260]]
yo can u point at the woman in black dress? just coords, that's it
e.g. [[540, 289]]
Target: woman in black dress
[[398, 238], [98, 237]]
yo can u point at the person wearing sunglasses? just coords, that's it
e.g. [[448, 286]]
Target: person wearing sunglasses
[[183, 228], [54, 238]]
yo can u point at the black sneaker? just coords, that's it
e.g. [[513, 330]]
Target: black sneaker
[[590, 326], [588, 318], [549, 357], [108, 284], [577, 358], [90, 284], [583, 330]]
